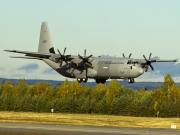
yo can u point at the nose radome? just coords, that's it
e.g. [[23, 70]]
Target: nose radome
[[141, 71]]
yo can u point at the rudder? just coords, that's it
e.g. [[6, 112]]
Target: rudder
[[45, 43]]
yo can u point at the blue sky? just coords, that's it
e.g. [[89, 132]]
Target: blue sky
[[109, 27]]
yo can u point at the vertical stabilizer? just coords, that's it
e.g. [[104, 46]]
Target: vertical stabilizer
[[45, 43]]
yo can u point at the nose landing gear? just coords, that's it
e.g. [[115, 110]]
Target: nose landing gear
[[131, 80]]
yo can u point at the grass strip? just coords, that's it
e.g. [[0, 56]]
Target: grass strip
[[89, 119]]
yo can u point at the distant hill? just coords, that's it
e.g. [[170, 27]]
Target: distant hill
[[135, 86]]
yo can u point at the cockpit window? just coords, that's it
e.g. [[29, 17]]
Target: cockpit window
[[129, 62], [132, 62]]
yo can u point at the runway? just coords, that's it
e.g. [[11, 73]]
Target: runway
[[82, 130]]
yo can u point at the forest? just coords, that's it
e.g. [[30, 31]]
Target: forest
[[73, 97]]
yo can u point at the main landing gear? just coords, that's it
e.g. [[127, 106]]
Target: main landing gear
[[82, 80], [131, 80], [101, 81]]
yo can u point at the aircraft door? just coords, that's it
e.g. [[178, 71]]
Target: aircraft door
[[103, 68]]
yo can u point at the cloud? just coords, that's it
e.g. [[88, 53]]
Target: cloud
[[49, 71], [30, 67]]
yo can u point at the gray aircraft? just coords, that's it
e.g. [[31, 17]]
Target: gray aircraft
[[87, 67]]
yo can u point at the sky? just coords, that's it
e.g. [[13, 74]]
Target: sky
[[102, 27]]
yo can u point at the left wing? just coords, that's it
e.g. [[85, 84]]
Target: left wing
[[26, 57], [31, 54]]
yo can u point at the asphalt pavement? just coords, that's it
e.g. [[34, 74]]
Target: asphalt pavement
[[83, 130]]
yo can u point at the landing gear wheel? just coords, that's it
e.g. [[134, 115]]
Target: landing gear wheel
[[79, 80], [85, 80], [98, 81], [131, 80], [103, 81]]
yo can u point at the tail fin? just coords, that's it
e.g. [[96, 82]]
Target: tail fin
[[45, 43]]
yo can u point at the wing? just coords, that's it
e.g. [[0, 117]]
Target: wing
[[31, 54], [146, 63], [40, 56], [26, 57]]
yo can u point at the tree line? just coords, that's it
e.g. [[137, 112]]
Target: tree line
[[73, 97]]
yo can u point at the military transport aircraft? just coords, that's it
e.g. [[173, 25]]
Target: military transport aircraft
[[84, 67]]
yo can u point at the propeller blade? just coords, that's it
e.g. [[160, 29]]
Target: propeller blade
[[123, 55], [64, 50], [130, 55], [84, 61], [145, 57], [67, 63], [85, 52], [89, 63], [61, 63], [151, 67], [90, 66], [92, 60], [150, 56], [146, 69], [90, 56], [59, 52], [80, 56]]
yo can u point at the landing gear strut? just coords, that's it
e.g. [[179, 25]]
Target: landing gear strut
[[131, 80]]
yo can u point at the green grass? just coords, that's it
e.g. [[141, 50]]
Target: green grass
[[89, 119]]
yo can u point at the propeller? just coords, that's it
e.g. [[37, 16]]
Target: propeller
[[129, 55], [85, 61], [62, 58], [148, 62]]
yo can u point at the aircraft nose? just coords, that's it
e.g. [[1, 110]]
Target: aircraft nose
[[141, 71]]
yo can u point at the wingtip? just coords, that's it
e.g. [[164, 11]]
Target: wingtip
[[6, 50], [10, 50]]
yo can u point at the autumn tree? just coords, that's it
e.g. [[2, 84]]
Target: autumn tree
[[64, 89], [112, 88], [166, 87]]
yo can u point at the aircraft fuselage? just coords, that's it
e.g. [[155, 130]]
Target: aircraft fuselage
[[103, 68]]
